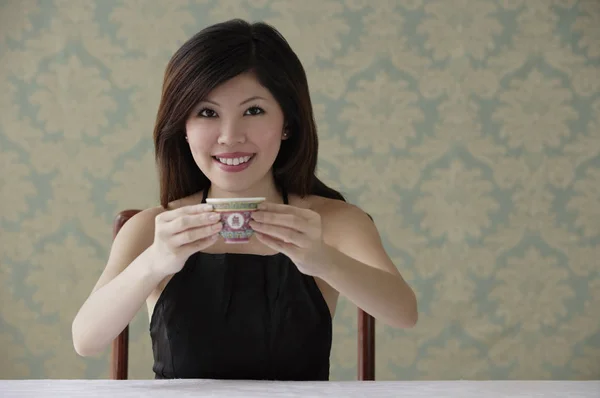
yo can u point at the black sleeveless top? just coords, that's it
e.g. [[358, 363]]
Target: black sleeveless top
[[241, 316]]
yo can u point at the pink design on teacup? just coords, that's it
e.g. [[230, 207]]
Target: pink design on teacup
[[235, 217], [236, 226]]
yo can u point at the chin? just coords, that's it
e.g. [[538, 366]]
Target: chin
[[232, 186], [236, 183]]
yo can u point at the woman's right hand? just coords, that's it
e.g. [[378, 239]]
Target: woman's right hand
[[181, 232]]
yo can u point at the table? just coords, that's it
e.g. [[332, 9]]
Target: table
[[251, 389]]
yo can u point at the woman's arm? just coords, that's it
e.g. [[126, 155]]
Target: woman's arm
[[358, 267], [121, 290], [149, 248], [339, 244]]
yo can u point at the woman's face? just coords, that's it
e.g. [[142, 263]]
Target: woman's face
[[235, 134]]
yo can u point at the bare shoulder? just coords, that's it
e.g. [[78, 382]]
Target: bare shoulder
[[349, 229], [137, 234], [133, 238], [338, 210], [326, 207], [340, 219], [139, 226]]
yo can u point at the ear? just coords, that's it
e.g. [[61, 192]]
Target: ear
[[286, 133]]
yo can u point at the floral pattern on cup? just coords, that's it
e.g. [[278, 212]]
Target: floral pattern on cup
[[235, 216]]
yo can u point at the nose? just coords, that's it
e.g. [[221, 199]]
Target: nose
[[231, 134]]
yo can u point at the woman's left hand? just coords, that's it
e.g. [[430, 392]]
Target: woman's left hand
[[295, 232]]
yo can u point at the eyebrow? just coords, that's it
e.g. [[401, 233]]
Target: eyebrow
[[241, 103]]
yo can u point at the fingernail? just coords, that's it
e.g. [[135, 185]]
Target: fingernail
[[205, 207], [261, 206], [214, 217]]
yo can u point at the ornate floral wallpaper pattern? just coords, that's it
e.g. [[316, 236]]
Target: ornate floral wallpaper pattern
[[469, 129]]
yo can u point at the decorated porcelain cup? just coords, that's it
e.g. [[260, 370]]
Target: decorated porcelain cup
[[235, 216]]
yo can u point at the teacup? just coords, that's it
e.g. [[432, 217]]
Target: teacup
[[235, 217]]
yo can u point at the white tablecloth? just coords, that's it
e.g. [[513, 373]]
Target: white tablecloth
[[254, 389]]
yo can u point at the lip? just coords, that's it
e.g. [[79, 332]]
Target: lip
[[232, 168]]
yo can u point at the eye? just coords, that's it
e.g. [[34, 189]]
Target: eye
[[254, 110], [206, 112]]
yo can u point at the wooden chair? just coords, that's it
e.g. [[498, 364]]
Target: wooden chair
[[366, 332]]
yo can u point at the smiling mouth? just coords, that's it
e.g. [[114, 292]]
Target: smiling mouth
[[233, 161]]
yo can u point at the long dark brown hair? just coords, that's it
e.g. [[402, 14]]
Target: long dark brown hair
[[211, 57]]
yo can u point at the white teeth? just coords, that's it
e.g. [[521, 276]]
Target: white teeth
[[234, 161]]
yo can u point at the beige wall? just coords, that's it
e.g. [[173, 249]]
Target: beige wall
[[468, 129]]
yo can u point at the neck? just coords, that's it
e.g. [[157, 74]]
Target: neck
[[265, 188]]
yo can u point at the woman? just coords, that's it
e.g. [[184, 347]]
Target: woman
[[236, 120]]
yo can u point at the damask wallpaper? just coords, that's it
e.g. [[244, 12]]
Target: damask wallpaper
[[469, 129]]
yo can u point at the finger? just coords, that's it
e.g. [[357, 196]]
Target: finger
[[275, 244], [200, 244], [189, 221], [194, 234], [191, 209], [281, 219], [284, 234], [280, 208]]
